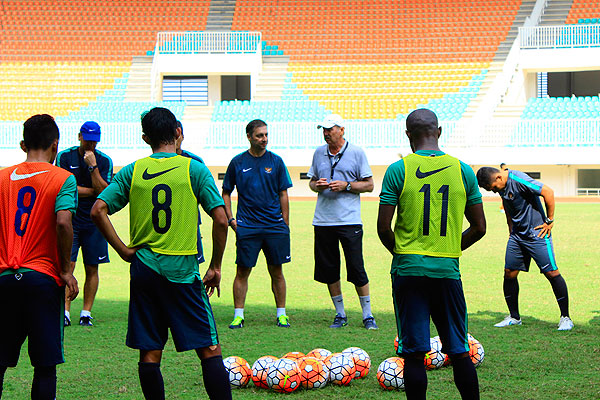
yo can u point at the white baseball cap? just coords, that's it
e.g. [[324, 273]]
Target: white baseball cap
[[330, 121]]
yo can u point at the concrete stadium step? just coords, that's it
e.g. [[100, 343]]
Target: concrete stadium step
[[220, 15], [271, 79], [524, 12], [556, 12], [138, 83], [509, 111], [197, 114]]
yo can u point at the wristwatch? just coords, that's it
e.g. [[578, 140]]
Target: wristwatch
[[230, 220], [348, 187], [92, 167], [548, 221]]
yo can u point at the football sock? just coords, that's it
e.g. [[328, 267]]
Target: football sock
[[2, 371], [85, 313], [151, 381], [68, 314], [215, 377], [43, 386], [511, 295], [365, 303], [465, 378], [559, 286], [280, 312], [415, 378], [238, 312], [338, 302]]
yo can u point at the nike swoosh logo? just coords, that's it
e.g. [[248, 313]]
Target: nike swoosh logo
[[73, 166], [422, 175], [17, 177], [246, 169], [147, 176], [101, 258]]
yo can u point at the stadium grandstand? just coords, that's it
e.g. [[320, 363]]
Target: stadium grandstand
[[514, 81]]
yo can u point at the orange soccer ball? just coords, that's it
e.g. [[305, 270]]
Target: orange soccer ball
[[362, 361], [313, 373], [260, 369], [341, 369], [238, 370], [284, 376], [390, 373]]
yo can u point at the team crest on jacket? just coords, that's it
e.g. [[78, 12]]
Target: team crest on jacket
[[268, 170]]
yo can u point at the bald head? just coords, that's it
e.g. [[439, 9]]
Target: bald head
[[422, 122]]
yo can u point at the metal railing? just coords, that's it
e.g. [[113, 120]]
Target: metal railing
[[564, 36], [588, 192], [208, 42]]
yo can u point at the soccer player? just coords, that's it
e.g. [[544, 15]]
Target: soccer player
[[431, 191], [339, 174], [262, 222], [166, 291], [530, 237], [37, 201], [93, 171], [188, 154]]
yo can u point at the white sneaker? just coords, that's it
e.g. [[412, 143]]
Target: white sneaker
[[565, 324], [508, 321]]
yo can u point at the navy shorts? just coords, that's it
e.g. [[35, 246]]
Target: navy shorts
[[327, 254], [416, 298], [33, 307], [157, 305], [200, 255], [273, 241], [520, 250], [94, 247]]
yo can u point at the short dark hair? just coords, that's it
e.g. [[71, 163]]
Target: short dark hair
[[252, 125], [159, 125], [422, 122], [502, 165], [39, 132], [484, 175], [180, 126]]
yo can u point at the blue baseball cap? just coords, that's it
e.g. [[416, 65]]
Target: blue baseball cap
[[90, 130]]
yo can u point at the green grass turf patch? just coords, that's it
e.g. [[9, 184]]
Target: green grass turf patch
[[532, 361]]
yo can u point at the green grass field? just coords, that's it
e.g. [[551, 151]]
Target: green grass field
[[532, 361]]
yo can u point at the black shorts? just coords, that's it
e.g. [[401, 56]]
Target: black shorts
[[274, 243], [157, 305], [94, 247], [416, 299], [327, 254], [33, 307]]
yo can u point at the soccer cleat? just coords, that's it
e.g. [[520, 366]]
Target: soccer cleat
[[370, 324], [67, 321], [86, 321], [565, 324], [339, 321], [238, 322], [283, 321], [508, 321]]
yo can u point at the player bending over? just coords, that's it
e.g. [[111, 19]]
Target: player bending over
[[166, 290], [530, 237]]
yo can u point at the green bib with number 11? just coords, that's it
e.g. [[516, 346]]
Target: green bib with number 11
[[431, 207], [163, 208]]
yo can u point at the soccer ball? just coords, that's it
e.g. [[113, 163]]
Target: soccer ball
[[362, 361], [390, 373], [260, 369], [313, 373], [396, 344], [475, 351], [434, 358], [283, 376], [239, 371], [341, 369], [294, 355], [319, 354]]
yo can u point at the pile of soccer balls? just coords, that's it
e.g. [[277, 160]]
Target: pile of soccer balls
[[390, 373], [295, 369]]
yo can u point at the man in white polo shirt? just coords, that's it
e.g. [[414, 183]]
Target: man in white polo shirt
[[339, 174]]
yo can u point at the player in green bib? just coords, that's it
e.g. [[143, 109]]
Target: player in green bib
[[166, 290], [431, 191]]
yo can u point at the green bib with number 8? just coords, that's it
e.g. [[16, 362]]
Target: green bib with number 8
[[163, 208]]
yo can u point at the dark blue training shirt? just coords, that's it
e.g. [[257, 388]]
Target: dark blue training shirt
[[259, 180], [521, 199], [72, 161]]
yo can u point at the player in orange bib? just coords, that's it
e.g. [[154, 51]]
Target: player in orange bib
[[37, 201]]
